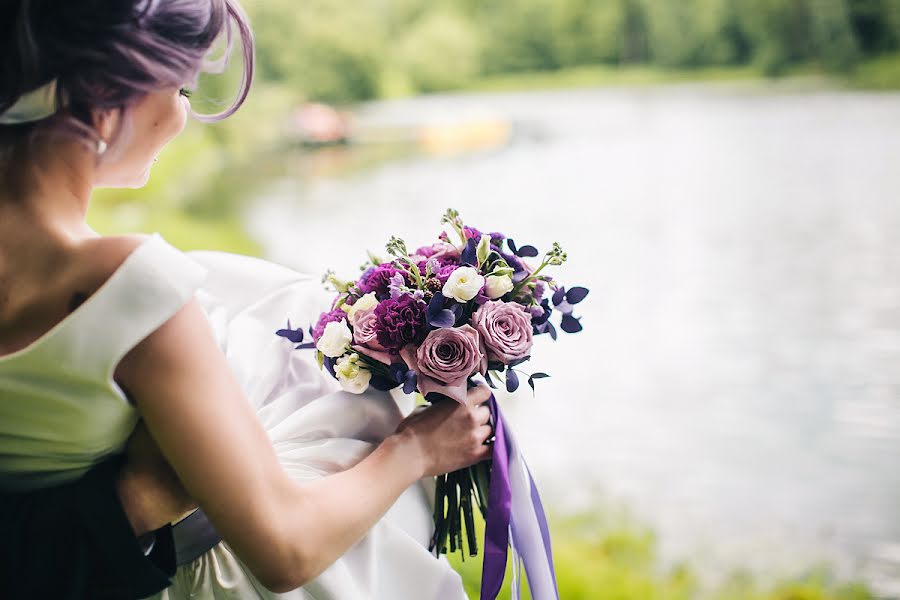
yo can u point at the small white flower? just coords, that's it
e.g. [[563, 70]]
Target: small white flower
[[498, 286], [367, 302], [335, 339], [463, 284], [352, 376]]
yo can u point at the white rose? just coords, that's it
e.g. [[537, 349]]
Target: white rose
[[352, 376], [498, 286], [463, 284], [367, 302], [335, 339]]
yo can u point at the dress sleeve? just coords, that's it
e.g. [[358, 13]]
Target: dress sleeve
[[74, 542], [153, 283]]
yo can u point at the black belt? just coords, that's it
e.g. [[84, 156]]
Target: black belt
[[194, 536]]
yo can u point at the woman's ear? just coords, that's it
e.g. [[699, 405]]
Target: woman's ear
[[106, 122]]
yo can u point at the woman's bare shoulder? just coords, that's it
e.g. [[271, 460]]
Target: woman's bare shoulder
[[49, 280], [104, 255]]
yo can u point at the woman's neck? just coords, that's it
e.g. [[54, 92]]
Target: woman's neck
[[53, 189]]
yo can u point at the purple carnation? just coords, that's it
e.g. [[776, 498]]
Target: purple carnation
[[378, 280], [400, 322], [445, 272], [324, 320]]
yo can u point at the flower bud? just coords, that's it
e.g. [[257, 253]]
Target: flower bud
[[498, 286], [352, 375]]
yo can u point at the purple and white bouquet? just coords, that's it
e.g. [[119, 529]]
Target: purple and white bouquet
[[430, 321]]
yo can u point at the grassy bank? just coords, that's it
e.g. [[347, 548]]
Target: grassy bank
[[614, 558], [882, 73], [606, 76]]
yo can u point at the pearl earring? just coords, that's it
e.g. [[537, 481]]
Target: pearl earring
[[101, 147]]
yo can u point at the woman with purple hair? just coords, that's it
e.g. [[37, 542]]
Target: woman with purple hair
[[138, 382]]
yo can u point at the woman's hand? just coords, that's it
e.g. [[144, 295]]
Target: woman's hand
[[149, 490], [448, 435]]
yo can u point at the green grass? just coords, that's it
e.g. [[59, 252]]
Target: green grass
[[882, 73], [614, 558], [608, 76]]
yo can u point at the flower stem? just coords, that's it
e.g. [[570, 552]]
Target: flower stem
[[529, 279], [467, 513]]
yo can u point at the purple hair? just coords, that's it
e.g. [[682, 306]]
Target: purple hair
[[107, 54]]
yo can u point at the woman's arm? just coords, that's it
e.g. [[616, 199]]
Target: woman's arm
[[149, 490], [285, 532]]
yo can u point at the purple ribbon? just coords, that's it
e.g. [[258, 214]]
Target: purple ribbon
[[530, 534], [496, 526]]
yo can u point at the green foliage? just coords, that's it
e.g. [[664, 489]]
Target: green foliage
[[613, 558], [438, 51], [344, 52], [330, 49]]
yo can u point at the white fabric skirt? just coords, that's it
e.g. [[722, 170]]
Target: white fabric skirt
[[316, 429]]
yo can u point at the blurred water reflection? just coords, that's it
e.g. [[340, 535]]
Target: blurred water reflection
[[737, 384]]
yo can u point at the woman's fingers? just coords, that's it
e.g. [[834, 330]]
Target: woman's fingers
[[482, 414], [484, 433], [479, 394]]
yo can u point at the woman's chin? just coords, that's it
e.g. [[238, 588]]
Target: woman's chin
[[142, 179]]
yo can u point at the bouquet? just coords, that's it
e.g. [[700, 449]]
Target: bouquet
[[432, 320]]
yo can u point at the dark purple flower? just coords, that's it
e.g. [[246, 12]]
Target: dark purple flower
[[445, 272], [497, 239], [472, 234], [513, 261], [400, 322], [378, 280], [325, 319]]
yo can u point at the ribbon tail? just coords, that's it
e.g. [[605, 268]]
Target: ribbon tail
[[516, 582], [497, 520], [528, 526], [515, 518]]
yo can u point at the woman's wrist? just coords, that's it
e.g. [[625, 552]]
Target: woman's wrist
[[405, 448]]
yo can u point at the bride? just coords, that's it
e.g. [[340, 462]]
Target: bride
[[314, 492]]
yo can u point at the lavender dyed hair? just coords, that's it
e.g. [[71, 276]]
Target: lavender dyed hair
[[107, 54]]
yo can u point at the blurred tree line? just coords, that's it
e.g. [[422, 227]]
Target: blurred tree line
[[342, 51]]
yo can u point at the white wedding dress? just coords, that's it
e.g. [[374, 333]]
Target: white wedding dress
[[70, 414]]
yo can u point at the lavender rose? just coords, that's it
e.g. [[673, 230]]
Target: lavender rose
[[400, 322], [365, 336], [444, 252], [446, 360], [505, 329]]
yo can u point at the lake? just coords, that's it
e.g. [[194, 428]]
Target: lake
[[737, 385]]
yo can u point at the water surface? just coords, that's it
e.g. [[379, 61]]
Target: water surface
[[738, 382]]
